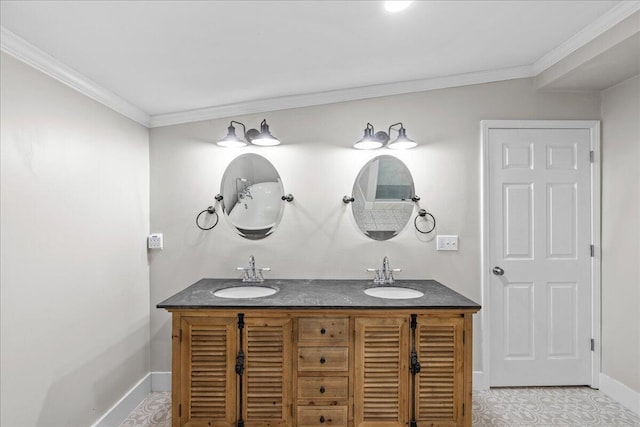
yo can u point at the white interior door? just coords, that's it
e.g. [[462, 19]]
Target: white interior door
[[540, 237]]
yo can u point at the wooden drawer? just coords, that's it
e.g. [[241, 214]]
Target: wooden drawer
[[323, 329], [320, 416], [330, 359], [323, 388]]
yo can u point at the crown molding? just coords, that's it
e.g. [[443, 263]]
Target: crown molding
[[330, 97], [24, 51], [610, 19], [31, 55]]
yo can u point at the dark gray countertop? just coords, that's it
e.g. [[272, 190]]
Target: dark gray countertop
[[310, 294]]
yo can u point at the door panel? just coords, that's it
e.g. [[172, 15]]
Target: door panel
[[563, 311], [540, 236], [518, 221], [519, 323], [561, 220]]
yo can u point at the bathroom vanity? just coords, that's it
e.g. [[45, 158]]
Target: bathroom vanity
[[321, 353]]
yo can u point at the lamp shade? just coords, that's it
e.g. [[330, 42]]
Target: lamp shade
[[264, 138], [368, 141], [402, 142], [231, 140]]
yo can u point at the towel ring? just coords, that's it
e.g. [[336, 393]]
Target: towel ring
[[424, 213], [211, 210]]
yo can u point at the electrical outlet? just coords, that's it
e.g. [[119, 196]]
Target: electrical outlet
[[447, 243], [155, 241]]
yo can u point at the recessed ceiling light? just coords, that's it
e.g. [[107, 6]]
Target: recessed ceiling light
[[396, 5]]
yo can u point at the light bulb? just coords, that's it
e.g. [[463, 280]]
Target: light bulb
[[394, 6]]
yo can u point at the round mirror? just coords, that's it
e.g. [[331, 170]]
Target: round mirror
[[252, 196], [382, 192]]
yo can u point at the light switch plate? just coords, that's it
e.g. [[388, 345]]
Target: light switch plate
[[155, 241], [447, 242]]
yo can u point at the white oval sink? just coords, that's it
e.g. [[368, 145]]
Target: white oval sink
[[245, 292], [393, 292]]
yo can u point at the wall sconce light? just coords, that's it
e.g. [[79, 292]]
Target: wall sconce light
[[373, 140], [262, 137]]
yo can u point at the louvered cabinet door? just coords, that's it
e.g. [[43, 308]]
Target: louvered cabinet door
[[440, 383], [268, 375], [208, 378], [381, 372]]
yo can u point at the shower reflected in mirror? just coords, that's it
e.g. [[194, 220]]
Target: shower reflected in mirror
[[382, 197]]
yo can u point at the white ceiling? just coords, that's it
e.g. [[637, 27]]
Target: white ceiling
[[174, 57]]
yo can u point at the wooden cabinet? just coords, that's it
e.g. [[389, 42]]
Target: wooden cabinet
[[317, 368], [267, 377], [323, 361], [322, 416], [205, 349], [440, 387], [381, 372], [208, 352]]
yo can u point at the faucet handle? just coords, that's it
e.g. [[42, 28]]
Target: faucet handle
[[378, 277], [245, 273], [396, 270], [264, 269]]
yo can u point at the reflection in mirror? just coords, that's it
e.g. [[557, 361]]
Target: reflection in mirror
[[382, 193], [252, 196]]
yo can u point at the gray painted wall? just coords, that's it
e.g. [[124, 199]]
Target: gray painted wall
[[74, 209], [621, 232], [317, 237], [75, 213]]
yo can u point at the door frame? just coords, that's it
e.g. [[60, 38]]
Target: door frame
[[594, 127]]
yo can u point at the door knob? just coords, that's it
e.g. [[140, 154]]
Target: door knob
[[497, 271]]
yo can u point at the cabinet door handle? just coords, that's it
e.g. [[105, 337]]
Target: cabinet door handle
[[323, 331], [321, 419], [322, 389], [323, 360]]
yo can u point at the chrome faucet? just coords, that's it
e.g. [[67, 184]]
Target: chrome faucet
[[384, 276], [251, 274]]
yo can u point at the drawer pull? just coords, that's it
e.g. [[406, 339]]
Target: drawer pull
[[323, 360], [321, 419], [323, 331], [322, 389]]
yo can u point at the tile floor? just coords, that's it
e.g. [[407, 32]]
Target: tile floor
[[502, 407], [153, 411], [549, 406]]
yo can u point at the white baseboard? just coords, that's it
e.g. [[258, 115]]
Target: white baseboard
[[160, 381], [123, 407], [153, 381], [623, 394], [478, 381]]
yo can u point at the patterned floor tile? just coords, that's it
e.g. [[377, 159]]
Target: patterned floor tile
[[498, 407], [154, 411], [549, 406]]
